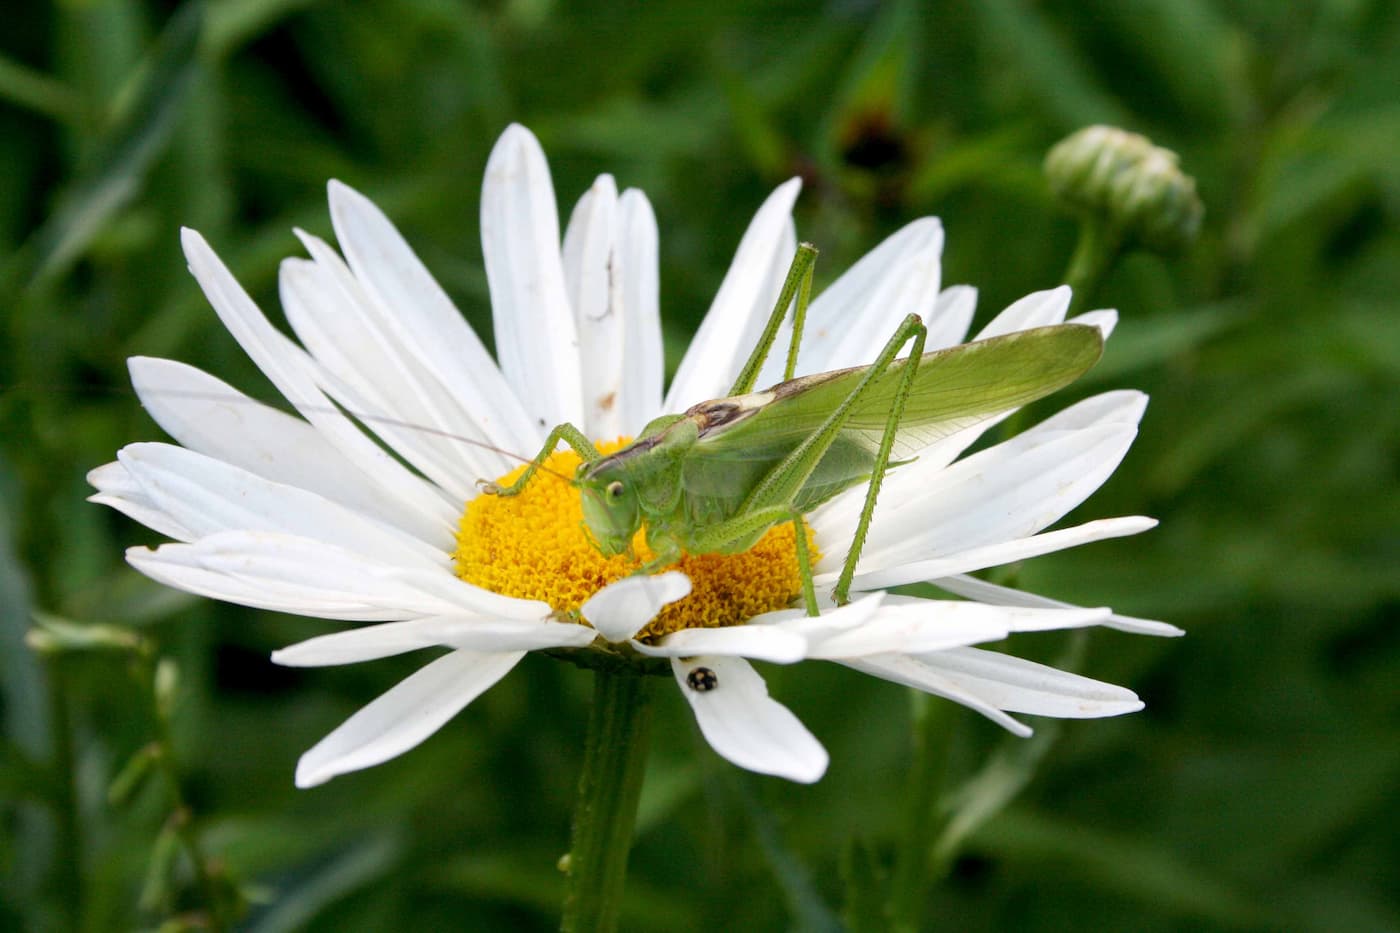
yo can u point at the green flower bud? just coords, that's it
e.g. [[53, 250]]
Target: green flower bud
[[1124, 180]]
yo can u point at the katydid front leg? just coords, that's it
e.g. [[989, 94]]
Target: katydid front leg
[[565, 432]]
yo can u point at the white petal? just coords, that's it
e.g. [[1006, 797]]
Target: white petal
[[747, 727], [388, 388], [175, 566], [368, 643], [536, 340], [1016, 618], [741, 306], [310, 573], [1054, 620], [973, 588], [594, 277], [913, 626], [208, 496], [1022, 686], [1066, 458], [463, 597], [850, 321], [1105, 319], [837, 518], [641, 304], [761, 642], [1037, 309], [620, 610], [833, 619], [913, 672], [118, 488], [283, 564], [403, 717], [113, 479], [951, 317], [909, 288], [290, 370], [141, 511], [593, 280], [1003, 493], [916, 626], [1121, 406], [426, 319], [211, 417], [995, 555], [371, 642]]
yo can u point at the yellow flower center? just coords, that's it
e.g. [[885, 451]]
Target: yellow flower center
[[533, 546]]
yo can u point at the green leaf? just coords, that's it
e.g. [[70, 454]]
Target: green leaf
[[804, 900], [1192, 51], [1049, 70], [1142, 343], [298, 904], [35, 91], [23, 683], [1001, 780], [122, 156], [1138, 869]]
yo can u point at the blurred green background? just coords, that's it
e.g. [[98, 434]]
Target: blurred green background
[[1257, 790]]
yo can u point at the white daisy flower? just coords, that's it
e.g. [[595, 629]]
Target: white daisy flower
[[311, 515]]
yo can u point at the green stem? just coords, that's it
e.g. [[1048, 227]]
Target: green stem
[[1098, 247], [608, 790], [1094, 254], [182, 814], [933, 722]]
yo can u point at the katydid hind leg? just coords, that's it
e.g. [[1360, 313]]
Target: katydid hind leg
[[665, 552], [798, 284], [748, 527], [841, 593], [781, 484], [804, 564], [564, 432], [799, 318]]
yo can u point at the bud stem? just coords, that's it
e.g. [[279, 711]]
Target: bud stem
[[1098, 247]]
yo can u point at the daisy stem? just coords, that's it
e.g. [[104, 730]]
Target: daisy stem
[[932, 731], [609, 786]]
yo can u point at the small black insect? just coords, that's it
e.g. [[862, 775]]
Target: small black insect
[[702, 679]]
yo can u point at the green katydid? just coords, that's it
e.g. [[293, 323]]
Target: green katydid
[[715, 478]]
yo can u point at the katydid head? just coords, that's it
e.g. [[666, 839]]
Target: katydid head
[[611, 512]]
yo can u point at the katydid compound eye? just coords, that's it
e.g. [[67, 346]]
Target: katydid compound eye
[[615, 489], [702, 680]]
